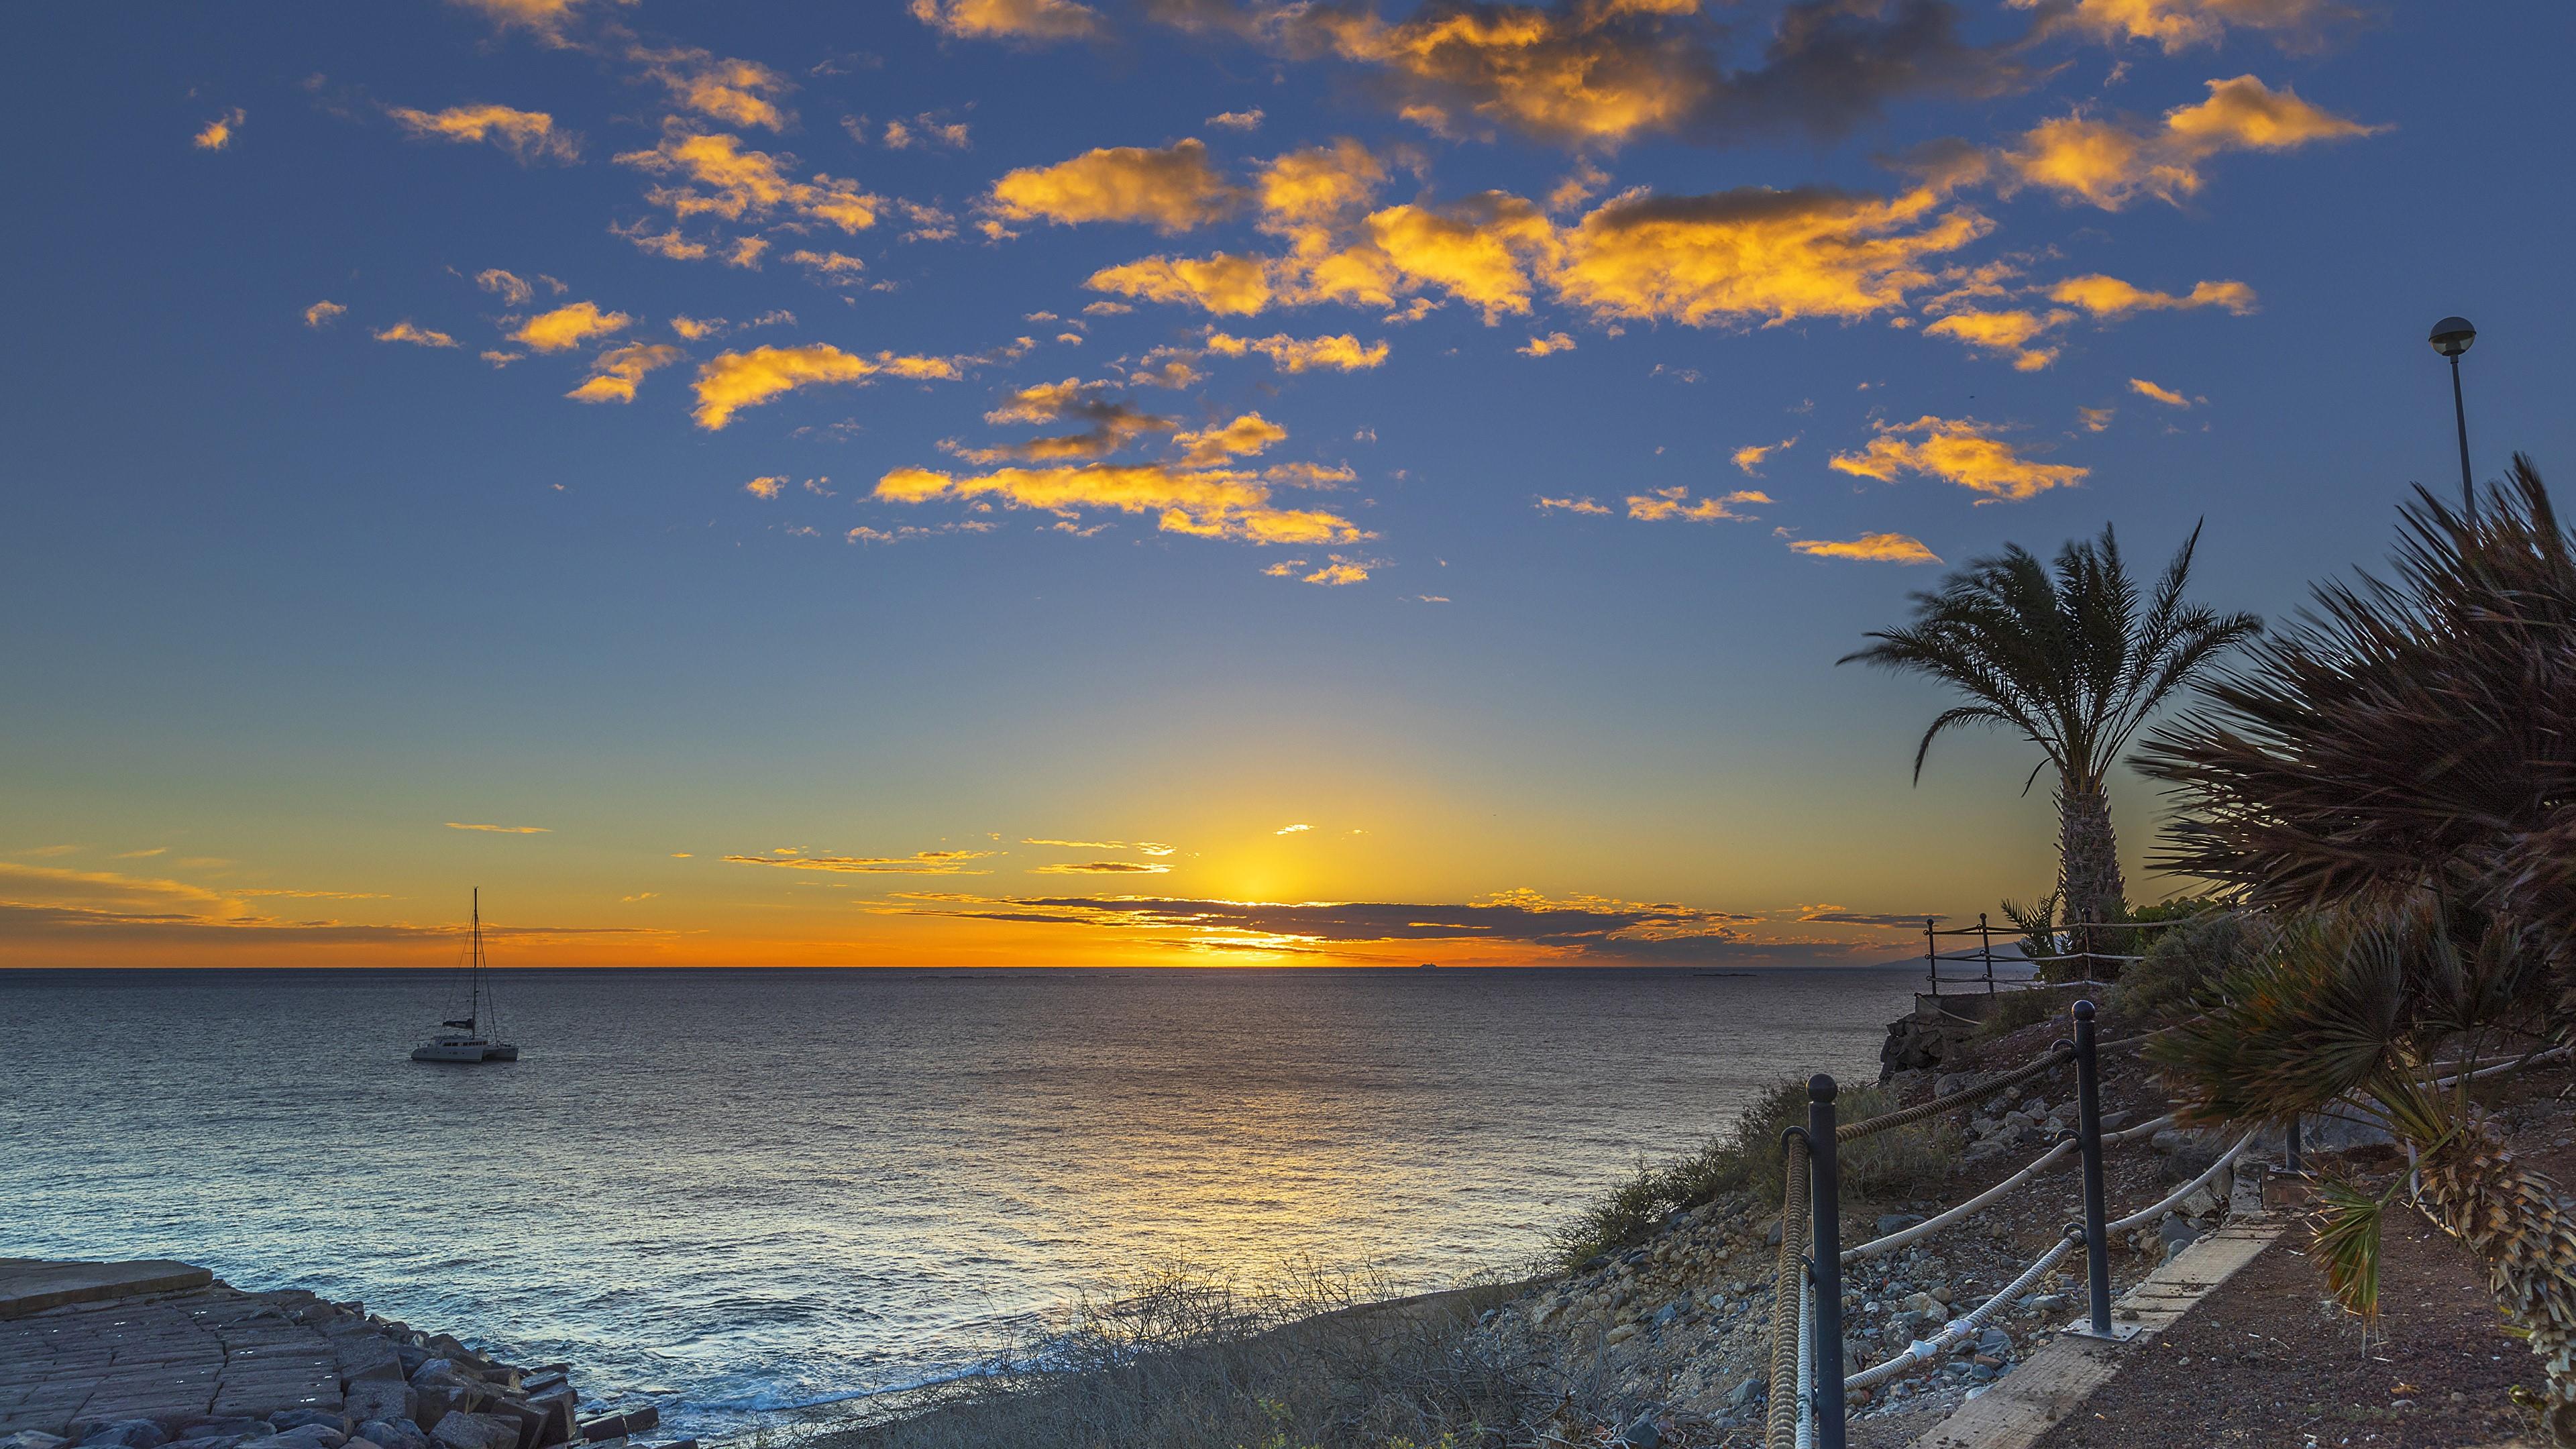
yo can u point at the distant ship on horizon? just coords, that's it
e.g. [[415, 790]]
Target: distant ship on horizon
[[462, 1041]]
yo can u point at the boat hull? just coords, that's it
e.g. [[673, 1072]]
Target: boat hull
[[466, 1053]]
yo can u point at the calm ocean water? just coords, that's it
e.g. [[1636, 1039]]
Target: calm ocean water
[[742, 1192]]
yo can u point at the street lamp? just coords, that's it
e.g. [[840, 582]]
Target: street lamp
[[2451, 337]]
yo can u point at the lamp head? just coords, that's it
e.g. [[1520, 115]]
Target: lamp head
[[2452, 336]]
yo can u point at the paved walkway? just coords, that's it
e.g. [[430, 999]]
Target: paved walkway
[[163, 1341]]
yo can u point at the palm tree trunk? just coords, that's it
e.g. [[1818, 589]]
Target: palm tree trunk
[[2526, 1233], [2088, 860]]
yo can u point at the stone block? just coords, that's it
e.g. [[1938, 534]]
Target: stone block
[[393, 1434], [123, 1434], [476, 1431], [380, 1399]]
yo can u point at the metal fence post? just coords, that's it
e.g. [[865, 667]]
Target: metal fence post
[[2088, 1098], [1824, 1211], [1931, 956], [1986, 948]]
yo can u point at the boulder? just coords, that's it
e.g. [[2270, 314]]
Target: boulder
[[211, 1441], [311, 1436], [439, 1390], [235, 1427], [393, 1434], [123, 1434], [1642, 1434], [310, 1418], [2176, 1234], [476, 1431], [32, 1439], [365, 1356], [380, 1399]]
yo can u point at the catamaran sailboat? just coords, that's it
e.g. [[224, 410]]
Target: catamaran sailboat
[[462, 1040]]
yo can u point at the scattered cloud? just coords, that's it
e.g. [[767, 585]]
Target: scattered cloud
[[616, 372], [1023, 20], [1211, 446], [1171, 189], [1956, 450], [1674, 504], [2096, 419], [925, 862], [508, 286], [1868, 548], [1141, 847], [2160, 393], [502, 829], [1291, 829], [2178, 25], [2110, 165], [323, 314], [568, 327], [2006, 333], [1572, 505], [1114, 423], [1204, 502], [1103, 867], [218, 133], [733, 381], [547, 18], [2110, 297], [1341, 352], [721, 88], [1748, 459], [1548, 346], [404, 331], [529, 136], [716, 175], [768, 486], [1248, 119]]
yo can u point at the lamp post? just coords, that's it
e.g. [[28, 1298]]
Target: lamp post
[[2451, 337]]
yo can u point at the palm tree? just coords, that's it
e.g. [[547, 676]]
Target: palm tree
[[2414, 738], [2344, 1016], [2068, 660]]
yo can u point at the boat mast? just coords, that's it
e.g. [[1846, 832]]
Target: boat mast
[[474, 1001]]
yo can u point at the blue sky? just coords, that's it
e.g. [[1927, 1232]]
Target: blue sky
[[296, 600]]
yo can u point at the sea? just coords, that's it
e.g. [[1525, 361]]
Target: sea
[[758, 1198]]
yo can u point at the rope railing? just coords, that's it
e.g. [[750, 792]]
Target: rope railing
[[1964, 1097], [1788, 1281], [1924, 1350]]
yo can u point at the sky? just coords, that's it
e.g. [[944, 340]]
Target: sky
[[1193, 482]]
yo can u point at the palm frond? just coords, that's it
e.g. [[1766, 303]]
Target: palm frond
[[2346, 1239]]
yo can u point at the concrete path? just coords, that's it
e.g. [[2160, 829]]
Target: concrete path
[[2055, 1381], [127, 1344]]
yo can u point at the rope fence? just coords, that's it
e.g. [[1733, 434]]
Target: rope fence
[[2080, 937]]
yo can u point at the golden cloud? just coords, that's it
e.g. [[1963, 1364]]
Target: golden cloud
[[1755, 254], [1036, 20], [505, 285], [323, 314], [528, 135], [766, 487], [568, 327], [501, 829], [2110, 165], [1103, 867], [1114, 423], [1226, 285], [1548, 346], [2007, 333], [736, 92], [732, 381], [924, 862], [1869, 548], [1172, 189], [1204, 503], [404, 331], [619, 369], [2178, 25], [1748, 459], [1141, 847], [1211, 446], [1319, 184], [1483, 250], [1572, 505], [218, 133], [1337, 573], [1956, 450], [1674, 504], [724, 178], [2110, 297], [1341, 352], [2162, 394], [546, 17]]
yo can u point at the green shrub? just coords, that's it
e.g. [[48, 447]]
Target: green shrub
[[1746, 1157], [2013, 1010], [2185, 958]]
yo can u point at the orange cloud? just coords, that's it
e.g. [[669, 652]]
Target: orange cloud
[[732, 381], [2110, 165], [1226, 285], [1484, 250], [546, 17], [925, 862], [323, 314], [528, 135], [1548, 346], [1114, 423], [1674, 504], [1869, 548], [218, 133], [2007, 333], [736, 92], [1341, 352], [2110, 297], [1034, 20], [1956, 450], [505, 285], [1756, 255], [2178, 25], [568, 327], [724, 178], [501, 829], [1211, 446], [766, 487], [1172, 189], [1572, 505], [1318, 184], [404, 331], [1204, 503], [1748, 459], [2165, 395], [619, 369]]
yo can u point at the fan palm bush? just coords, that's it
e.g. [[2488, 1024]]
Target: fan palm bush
[[2344, 1015], [2066, 656]]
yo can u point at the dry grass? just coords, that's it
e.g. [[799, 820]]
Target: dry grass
[[1183, 1360]]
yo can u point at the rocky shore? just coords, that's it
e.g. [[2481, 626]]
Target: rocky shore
[[127, 1364]]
